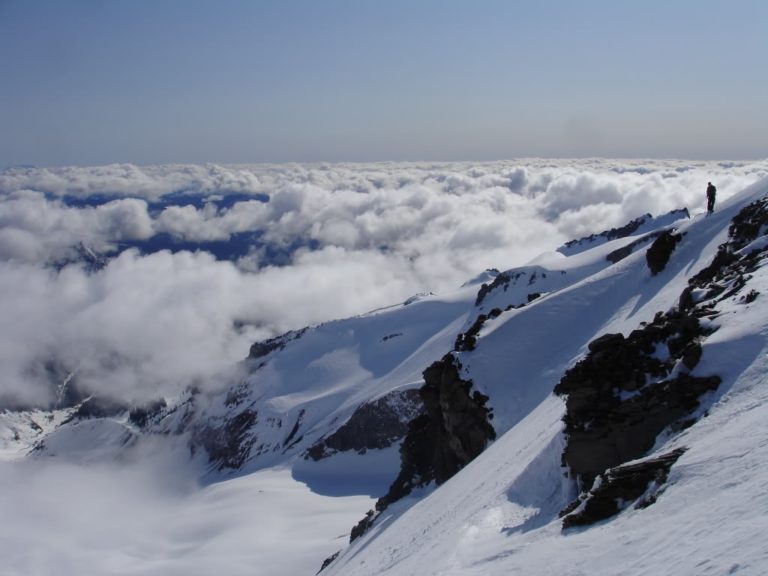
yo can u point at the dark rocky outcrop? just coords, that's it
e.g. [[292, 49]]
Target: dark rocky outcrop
[[613, 233], [750, 297], [748, 224], [623, 394], [505, 279], [467, 340], [141, 415], [639, 483], [229, 444], [575, 246], [328, 561], [623, 252], [453, 430], [374, 425], [629, 389], [292, 437], [661, 250], [264, 347], [97, 407], [729, 267], [501, 281]]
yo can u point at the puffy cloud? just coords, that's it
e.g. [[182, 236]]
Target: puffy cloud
[[350, 238], [142, 326], [123, 219], [34, 228]]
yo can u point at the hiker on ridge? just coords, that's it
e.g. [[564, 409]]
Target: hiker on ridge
[[710, 197]]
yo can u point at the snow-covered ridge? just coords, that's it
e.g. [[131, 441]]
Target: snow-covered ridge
[[499, 515], [639, 226]]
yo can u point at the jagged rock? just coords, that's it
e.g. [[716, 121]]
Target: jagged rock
[[750, 297], [362, 527], [97, 407], [619, 487], [291, 439], [722, 259], [487, 274], [748, 224], [140, 415], [468, 340], [328, 561], [725, 275], [228, 445], [575, 246], [453, 430], [613, 233], [621, 253], [374, 425], [621, 396], [660, 251], [502, 280], [417, 297], [606, 342], [264, 347]]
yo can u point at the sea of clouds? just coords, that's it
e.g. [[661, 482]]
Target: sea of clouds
[[351, 238]]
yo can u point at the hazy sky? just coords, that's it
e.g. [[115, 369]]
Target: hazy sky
[[148, 81]]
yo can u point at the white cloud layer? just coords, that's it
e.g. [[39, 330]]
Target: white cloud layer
[[369, 236], [146, 516]]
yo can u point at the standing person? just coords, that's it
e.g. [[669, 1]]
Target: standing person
[[711, 190]]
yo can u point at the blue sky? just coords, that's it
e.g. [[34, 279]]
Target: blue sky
[[157, 81]]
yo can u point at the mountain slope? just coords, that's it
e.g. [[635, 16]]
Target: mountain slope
[[333, 403], [499, 515]]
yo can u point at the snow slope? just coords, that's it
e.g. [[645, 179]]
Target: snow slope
[[499, 514]]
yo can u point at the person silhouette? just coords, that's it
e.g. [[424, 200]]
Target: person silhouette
[[711, 190]]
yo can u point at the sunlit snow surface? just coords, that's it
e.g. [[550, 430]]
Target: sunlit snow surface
[[498, 516], [99, 502], [65, 519]]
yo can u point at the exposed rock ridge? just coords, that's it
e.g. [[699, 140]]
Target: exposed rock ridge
[[638, 225], [729, 270], [627, 390], [264, 347], [502, 280], [613, 233], [373, 425], [661, 250], [467, 341], [638, 483], [454, 429], [229, 441], [623, 252]]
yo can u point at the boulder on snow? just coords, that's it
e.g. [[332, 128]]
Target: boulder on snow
[[639, 483], [661, 250]]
